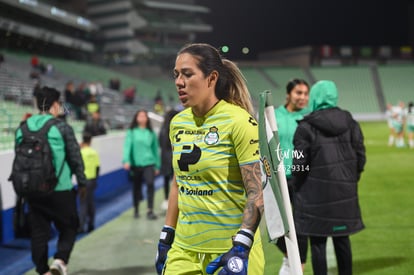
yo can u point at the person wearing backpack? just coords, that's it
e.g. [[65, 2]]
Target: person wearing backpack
[[59, 205]]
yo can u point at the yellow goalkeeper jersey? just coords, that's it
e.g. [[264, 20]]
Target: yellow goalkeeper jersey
[[207, 154]]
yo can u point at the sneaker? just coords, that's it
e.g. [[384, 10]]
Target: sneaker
[[164, 205], [58, 267], [136, 215], [284, 269], [151, 216], [90, 228]]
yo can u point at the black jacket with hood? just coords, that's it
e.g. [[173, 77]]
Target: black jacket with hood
[[327, 172]]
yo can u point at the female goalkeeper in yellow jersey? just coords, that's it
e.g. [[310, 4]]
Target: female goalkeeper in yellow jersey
[[215, 202]]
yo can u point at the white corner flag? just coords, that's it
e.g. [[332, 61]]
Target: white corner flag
[[277, 205]]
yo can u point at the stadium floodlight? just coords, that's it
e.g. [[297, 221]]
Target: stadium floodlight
[[245, 50], [225, 49], [58, 12], [29, 2], [83, 21]]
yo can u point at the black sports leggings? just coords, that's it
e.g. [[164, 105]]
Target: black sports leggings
[[59, 208], [302, 245], [302, 239], [342, 246], [140, 174], [167, 179]]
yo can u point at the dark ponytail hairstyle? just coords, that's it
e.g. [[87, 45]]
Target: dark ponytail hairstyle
[[231, 84]]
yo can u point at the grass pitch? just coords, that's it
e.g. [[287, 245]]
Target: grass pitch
[[386, 193], [386, 246]]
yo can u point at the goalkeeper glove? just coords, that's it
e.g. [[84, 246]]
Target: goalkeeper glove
[[164, 244], [234, 262]]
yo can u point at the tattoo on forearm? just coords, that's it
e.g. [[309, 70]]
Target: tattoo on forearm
[[252, 178]]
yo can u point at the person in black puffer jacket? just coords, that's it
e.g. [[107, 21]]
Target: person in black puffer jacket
[[331, 151]]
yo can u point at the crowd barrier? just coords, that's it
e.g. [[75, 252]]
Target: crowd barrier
[[112, 177]]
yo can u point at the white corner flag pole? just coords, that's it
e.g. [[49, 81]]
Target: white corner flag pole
[[277, 205]]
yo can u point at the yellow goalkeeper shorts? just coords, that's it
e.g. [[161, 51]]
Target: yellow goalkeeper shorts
[[181, 261]]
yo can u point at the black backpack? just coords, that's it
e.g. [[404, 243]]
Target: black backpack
[[33, 172]]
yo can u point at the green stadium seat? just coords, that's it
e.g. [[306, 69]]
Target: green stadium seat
[[355, 86], [397, 83]]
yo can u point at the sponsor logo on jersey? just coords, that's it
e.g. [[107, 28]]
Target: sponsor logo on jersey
[[254, 141], [195, 192], [189, 178], [188, 132]]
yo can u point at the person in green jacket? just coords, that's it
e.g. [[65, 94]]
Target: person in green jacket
[[58, 207], [287, 115], [141, 157]]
